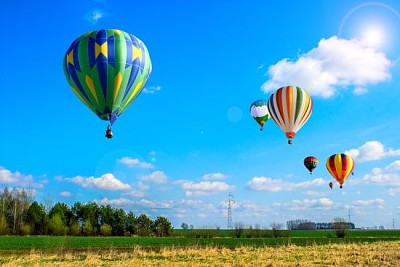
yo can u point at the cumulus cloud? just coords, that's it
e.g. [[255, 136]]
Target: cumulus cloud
[[214, 176], [372, 150], [335, 63], [157, 177], [155, 204], [388, 176], [204, 188], [151, 89], [139, 192], [307, 204], [66, 194], [114, 202], [132, 162], [369, 202], [17, 179], [94, 15], [275, 185], [105, 182]]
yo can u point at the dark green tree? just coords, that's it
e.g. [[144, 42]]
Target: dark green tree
[[162, 227], [144, 224], [36, 218]]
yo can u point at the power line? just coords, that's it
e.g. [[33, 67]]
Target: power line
[[230, 201]]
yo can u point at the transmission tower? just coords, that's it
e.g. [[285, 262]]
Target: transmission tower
[[349, 214], [230, 201], [393, 224]]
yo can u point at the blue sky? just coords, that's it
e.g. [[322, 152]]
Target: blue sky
[[188, 140]]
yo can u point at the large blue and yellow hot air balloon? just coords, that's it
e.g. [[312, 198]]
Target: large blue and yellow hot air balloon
[[340, 166], [290, 107], [107, 69]]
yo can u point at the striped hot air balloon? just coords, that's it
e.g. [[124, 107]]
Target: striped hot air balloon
[[340, 167], [259, 111], [310, 163], [290, 107], [107, 69]]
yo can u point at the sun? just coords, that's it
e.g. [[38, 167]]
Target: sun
[[373, 36]]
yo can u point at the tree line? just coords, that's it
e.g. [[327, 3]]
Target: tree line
[[21, 215], [301, 224]]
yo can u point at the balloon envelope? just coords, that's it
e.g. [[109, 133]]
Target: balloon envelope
[[340, 166], [311, 163], [259, 111], [290, 107], [107, 69]]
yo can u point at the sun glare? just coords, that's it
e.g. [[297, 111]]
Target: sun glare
[[373, 36]]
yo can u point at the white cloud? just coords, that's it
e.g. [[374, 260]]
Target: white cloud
[[275, 185], [66, 194], [114, 202], [204, 188], [372, 150], [214, 176], [106, 182], [151, 89], [157, 177], [131, 162], [369, 202], [155, 204], [135, 193], [336, 63], [315, 193], [94, 15], [17, 179], [388, 176], [360, 91], [307, 204]]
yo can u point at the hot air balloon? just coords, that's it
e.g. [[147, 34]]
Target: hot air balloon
[[331, 185], [107, 69], [290, 107], [259, 111], [340, 167], [311, 163]]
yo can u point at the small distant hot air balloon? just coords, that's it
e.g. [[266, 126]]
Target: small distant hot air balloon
[[340, 167], [311, 163], [259, 111], [290, 107], [331, 185], [107, 69]]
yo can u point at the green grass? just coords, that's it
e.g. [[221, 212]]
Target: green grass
[[224, 239]]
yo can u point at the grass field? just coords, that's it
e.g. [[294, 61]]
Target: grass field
[[382, 253], [300, 248]]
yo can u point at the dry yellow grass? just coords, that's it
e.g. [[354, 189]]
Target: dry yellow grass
[[372, 254]]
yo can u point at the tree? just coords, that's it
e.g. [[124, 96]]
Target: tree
[[64, 211], [36, 217], [143, 224], [184, 226], [3, 224], [57, 226], [162, 227], [239, 229], [87, 229], [105, 230], [118, 226], [341, 227], [130, 223], [276, 229]]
